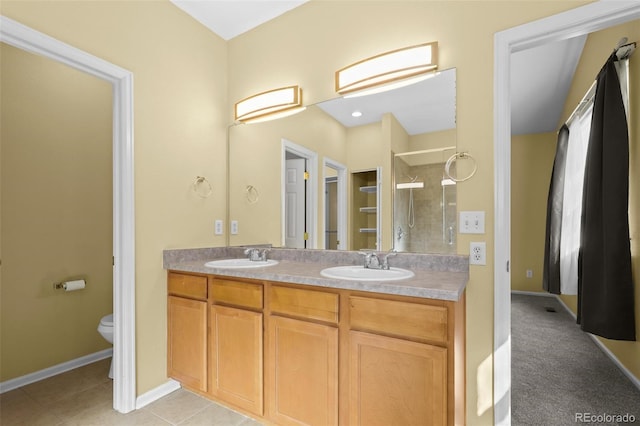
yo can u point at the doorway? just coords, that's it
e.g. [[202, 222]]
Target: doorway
[[335, 202], [30, 40], [582, 20], [299, 196]]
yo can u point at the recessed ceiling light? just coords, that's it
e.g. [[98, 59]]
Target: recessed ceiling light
[[356, 114]]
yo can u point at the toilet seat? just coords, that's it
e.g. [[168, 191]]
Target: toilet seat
[[107, 321]]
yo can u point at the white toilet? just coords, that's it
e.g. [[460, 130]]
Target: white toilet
[[106, 330]]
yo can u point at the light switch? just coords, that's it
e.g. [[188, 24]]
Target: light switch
[[471, 222], [234, 227]]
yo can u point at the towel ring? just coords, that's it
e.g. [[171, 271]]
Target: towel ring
[[252, 194], [454, 157], [197, 187]]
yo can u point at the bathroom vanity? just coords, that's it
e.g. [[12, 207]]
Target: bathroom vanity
[[287, 346]]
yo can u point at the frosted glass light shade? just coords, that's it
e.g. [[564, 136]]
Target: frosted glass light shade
[[387, 67], [269, 105]]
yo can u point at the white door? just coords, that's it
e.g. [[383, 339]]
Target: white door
[[294, 203]]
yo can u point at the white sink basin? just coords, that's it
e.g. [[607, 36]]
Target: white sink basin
[[360, 273], [240, 263]]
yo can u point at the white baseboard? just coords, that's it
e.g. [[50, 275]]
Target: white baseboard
[[533, 293], [603, 348], [157, 393], [54, 370]]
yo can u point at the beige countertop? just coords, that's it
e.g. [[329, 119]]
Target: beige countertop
[[441, 277]]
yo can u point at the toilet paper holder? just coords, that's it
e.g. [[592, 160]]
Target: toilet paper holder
[[70, 285]]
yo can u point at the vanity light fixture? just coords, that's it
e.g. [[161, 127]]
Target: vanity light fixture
[[390, 67], [270, 105]]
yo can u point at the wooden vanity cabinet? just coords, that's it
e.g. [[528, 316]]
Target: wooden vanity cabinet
[[302, 357], [394, 375], [187, 329], [406, 362], [235, 343]]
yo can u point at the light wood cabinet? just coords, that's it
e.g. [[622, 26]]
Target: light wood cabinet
[[303, 363], [396, 382], [187, 341], [236, 357], [293, 354]]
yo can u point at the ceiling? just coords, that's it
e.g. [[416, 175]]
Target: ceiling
[[230, 18], [423, 107], [540, 78]]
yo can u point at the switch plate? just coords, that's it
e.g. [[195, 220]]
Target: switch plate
[[218, 230], [529, 273], [477, 253], [472, 222], [234, 227]]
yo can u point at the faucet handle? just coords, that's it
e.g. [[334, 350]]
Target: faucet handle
[[368, 256], [252, 253], [385, 262], [263, 254]]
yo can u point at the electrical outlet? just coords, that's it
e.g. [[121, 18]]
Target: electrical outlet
[[218, 229], [234, 227], [529, 273], [472, 222], [478, 253]]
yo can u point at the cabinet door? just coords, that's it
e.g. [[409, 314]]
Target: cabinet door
[[303, 379], [396, 382], [236, 357], [187, 342]]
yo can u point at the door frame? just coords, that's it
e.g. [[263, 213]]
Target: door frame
[[341, 169], [124, 358], [312, 189], [579, 21]]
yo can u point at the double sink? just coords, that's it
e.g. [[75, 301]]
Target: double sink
[[347, 272]]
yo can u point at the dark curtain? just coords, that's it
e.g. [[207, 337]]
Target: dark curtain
[[551, 266], [605, 285]]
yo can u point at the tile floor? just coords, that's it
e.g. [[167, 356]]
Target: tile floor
[[83, 397]]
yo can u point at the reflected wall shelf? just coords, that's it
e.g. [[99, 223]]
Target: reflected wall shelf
[[368, 209], [369, 188]]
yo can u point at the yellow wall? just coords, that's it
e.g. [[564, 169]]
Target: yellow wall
[[597, 49], [181, 113], [256, 150], [180, 119], [434, 140], [331, 34], [56, 212], [531, 164]]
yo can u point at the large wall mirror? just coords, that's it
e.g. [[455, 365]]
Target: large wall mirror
[[331, 177]]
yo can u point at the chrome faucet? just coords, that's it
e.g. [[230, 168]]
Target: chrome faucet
[[372, 260], [256, 255]]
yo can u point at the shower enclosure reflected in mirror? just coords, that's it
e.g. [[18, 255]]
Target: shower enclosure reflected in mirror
[[421, 116], [424, 202]]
